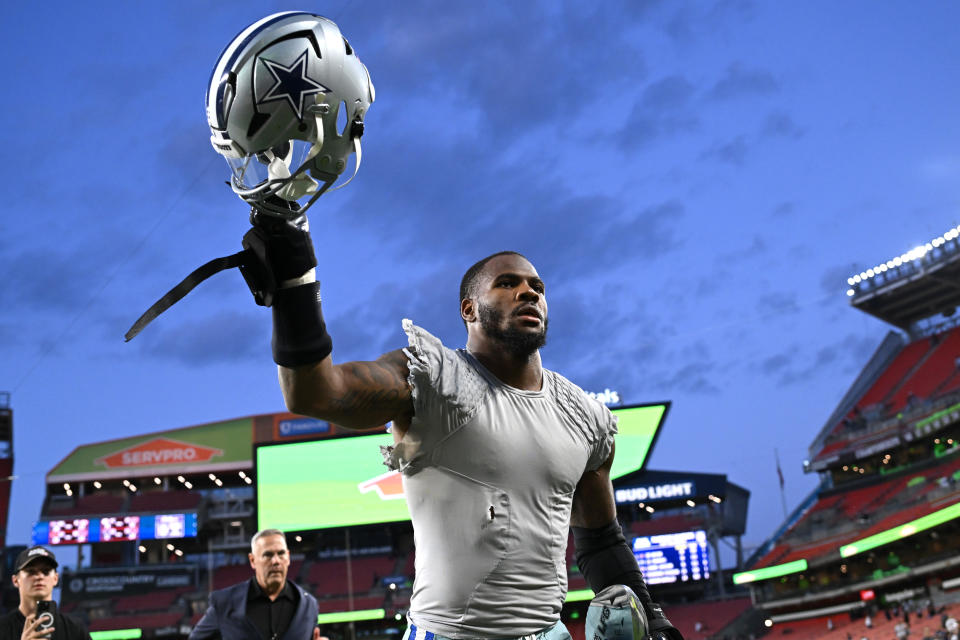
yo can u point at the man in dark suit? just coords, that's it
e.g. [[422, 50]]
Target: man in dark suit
[[265, 607]]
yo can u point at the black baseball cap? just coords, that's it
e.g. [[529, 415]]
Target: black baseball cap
[[32, 554]]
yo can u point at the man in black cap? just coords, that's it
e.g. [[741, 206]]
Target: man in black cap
[[35, 576]]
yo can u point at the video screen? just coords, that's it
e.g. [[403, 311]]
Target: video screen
[[319, 484], [673, 557], [113, 529]]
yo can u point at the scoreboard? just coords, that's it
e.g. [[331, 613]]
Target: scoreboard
[[115, 528], [673, 557]]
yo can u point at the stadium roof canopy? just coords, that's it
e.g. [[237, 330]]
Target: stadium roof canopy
[[919, 284]]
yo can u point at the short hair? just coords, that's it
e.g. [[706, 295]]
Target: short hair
[[468, 283], [264, 533]]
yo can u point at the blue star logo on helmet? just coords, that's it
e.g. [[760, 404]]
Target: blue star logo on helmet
[[291, 83]]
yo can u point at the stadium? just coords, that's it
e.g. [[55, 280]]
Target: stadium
[[162, 519]]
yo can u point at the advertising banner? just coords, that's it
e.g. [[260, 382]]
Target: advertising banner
[[124, 582]]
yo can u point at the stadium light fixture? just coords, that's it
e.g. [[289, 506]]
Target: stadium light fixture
[[212, 477], [649, 509], [691, 503], [96, 484], [179, 552], [299, 538], [170, 547], [132, 487], [907, 529], [248, 480], [143, 549], [188, 485], [181, 479], [768, 623], [156, 481], [243, 475], [398, 617], [66, 486]]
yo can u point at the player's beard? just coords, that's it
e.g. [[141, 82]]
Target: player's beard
[[519, 343]]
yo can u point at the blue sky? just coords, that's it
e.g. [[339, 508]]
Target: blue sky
[[694, 181]]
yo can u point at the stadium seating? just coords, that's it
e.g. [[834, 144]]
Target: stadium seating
[[146, 621], [330, 576], [97, 504], [231, 574], [343, 604], [667, 524], [164, 501], [712, 616], [936, 368], [843, 517], [906, 360], [881, 629], [160, 600]]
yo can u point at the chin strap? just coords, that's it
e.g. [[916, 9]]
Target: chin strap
[[186, 286]]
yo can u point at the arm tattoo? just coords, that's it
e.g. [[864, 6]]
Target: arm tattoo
[[373, 384]]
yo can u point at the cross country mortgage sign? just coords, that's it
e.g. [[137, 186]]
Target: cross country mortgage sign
[[219, 446]]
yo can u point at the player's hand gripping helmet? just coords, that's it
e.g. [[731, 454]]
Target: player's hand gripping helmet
[[285, 106]]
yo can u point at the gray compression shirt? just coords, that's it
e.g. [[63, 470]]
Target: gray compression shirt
[[489, 473]]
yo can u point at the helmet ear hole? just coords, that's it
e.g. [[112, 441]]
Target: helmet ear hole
[[342, 119]]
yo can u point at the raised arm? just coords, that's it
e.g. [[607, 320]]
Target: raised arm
[[280, 270], [353, 394]]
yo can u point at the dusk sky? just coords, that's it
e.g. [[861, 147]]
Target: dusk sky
[[694, 182]]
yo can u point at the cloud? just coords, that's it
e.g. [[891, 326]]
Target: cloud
[[662, 111], [833, 280], [784, 209], [778, 363], [739, 81], [795, 366], [692, 21], [780, 124], [508, 74], [732, 152], [777, 303], [222, 338]]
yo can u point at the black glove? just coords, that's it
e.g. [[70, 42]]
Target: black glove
[[276, 249], [660, 627]]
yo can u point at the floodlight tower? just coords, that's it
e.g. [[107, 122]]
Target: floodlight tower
[[918, 291], [6, 462]]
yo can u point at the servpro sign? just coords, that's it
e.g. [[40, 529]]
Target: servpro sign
[[158, 452], [213, 447]]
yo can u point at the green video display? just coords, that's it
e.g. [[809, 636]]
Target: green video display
[[340, 482]]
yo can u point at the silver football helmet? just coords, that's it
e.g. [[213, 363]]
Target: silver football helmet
[[285, 106]]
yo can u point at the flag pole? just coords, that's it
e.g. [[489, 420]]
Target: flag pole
[[783, 497]]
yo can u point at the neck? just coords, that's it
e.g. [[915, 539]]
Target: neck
[[28, 607], [520, 372], [272, 591]]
